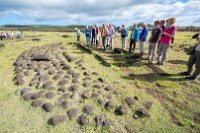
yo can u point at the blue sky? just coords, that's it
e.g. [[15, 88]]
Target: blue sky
[[88, 12]]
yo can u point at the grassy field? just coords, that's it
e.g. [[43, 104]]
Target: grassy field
[[176, 102]]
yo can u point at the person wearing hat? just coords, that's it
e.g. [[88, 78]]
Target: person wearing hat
[[78, 35], [88, 35], [193, 59], [166, 40], [154, 40]]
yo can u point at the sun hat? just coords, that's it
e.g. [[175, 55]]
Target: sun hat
[[171, 20]]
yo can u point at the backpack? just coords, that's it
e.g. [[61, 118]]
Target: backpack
[[124, 33]]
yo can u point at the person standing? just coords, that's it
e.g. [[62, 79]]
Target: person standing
[[18, 35], [78, 34], [93, 35], [193, 59], [88, 36], [22, 35], [154, 40], [166, 40], [143, 38], [97, 36], [135, 36], [124, 35], [162, 26], [104, 34], [111, 35]]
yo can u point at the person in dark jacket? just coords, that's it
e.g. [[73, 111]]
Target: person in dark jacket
[[93, 41], [154, 40]]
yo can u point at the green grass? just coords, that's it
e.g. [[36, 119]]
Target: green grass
[[17, 115]]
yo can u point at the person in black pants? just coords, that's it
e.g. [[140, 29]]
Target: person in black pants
[[93, 35], [134, 37]]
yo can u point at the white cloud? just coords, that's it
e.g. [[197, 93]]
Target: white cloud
[[94, 11]]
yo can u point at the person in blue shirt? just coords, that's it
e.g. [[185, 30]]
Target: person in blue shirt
[[143, 38], [88, 36], [134, 38]]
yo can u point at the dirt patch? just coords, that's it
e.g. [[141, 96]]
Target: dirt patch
[[157, 70]]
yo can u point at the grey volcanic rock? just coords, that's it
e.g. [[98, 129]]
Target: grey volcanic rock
[[37, 103], [48, 107], [130, 101], [142, 112], [66, 67], [58, 119], [148, 104], [25, 90], [75, 75], [76, 97], [33, 84], [73, 112], [75, 81], [95, 95], [74, 88], [100, 119], [44, 77], [48, 85], [98, 86], [122, 109], [41, 57], [110, 104], [88, 109], [108, 88], [52, 72], [38, 94], [63, 82], [87, 78], [86, 84], [27, 73], [86, 94], [28, 96], [50, 95], [66, 96], [20, 81], [65, 104], [83, 120], [108, 122], [57, 76]]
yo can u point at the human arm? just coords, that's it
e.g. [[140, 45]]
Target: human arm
[[170, 35]]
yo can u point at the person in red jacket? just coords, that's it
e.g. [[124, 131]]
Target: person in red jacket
[[166, 40]]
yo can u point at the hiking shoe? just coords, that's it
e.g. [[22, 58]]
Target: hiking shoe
[[191, 78], [161, 64], [184, 73]]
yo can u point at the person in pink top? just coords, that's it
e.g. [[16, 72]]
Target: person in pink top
[[166, 40]]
